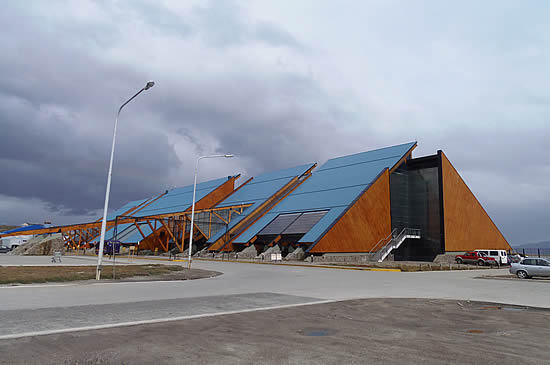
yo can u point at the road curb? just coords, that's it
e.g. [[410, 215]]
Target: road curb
[[278, 264]]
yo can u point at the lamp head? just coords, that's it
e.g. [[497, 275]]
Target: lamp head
[[227, 156], [149, 85]]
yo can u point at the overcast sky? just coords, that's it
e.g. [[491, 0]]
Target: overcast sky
[[277, 83]]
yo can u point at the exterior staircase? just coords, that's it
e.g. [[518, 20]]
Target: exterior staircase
[[386, 245]]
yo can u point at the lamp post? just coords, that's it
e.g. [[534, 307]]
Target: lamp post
[[193, 206], [147, 86]]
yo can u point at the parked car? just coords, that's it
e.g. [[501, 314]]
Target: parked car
[[499, 255], [4, 249], [473, 257], [530, 267]]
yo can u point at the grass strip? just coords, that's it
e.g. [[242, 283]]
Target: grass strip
[[47, 274]]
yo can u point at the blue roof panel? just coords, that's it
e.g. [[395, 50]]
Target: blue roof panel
[[176, 200], [257, 191], [126, 207], [133, 235], [180, 199], [394, 152], [333, 187], [23, 229]]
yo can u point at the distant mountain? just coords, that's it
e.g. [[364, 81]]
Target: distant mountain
[[6, 227], [541, 244]]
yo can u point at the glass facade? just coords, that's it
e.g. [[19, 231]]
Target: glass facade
[[415, 203]]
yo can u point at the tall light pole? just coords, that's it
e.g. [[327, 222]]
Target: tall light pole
[[190, 249], [147, 86]]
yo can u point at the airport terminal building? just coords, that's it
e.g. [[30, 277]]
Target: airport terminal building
[[384, 204]]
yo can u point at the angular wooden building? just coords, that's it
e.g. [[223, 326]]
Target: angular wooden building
[[377, 202], [381, 202]]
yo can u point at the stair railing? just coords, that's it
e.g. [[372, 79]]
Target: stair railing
[[383, 242], [395, 242]]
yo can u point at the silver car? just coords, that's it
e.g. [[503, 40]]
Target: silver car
[[530, 267]]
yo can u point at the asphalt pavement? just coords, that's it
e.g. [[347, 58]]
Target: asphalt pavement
[[73, 306], [364, 331]]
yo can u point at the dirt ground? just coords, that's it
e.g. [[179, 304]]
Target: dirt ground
[[370, 331], [43, 274]]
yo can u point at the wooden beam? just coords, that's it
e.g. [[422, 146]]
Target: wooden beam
[[71, 239], [219, 216], [110, 224], [140, 231], [200, 230], [168, 230], [155, 233], [260, 211], [403, 158]]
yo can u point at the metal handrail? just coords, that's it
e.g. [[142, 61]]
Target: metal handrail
[[404, 232], [374, 249]]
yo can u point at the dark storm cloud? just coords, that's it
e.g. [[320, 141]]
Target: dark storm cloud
[[49, 159], [58, 98], [230, 80], [55, 128]]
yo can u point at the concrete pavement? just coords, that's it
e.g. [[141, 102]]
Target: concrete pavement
[[366, 331], [315, 284], [69, 260]]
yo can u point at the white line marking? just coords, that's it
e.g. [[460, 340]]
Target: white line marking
[[159, 320]]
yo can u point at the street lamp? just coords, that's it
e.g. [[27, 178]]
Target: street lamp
[[147, 86], [193, 206]]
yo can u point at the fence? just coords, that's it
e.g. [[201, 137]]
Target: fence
[[535, 252]]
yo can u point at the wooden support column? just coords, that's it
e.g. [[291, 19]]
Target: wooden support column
[[169, 231], [139, 229], [157, 238], [219, 216], [272, 243]]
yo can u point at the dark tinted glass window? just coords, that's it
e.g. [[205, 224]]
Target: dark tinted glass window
[[529, 262], [279, 224], [493, 253], [305, 222]]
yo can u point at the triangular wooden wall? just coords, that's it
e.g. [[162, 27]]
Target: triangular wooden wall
[[467, 224], [365, 223]]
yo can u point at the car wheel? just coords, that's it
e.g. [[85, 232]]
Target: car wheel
[[522, 274], [481, 263], [459, 260]]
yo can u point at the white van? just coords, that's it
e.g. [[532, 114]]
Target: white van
[[500, 256]]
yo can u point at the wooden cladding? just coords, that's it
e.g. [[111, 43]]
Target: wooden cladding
[[467, 224], [365, 223], [216, 196]]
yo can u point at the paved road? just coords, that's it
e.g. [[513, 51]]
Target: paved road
[[303, 284], [16, 260], [366, 331]]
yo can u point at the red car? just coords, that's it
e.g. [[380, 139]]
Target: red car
[[473, 257]]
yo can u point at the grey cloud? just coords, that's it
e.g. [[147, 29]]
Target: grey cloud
[[57, 107], [267, 124], [67, 170], [275, 36], [160, 18], [448, 87], [224, 24]]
